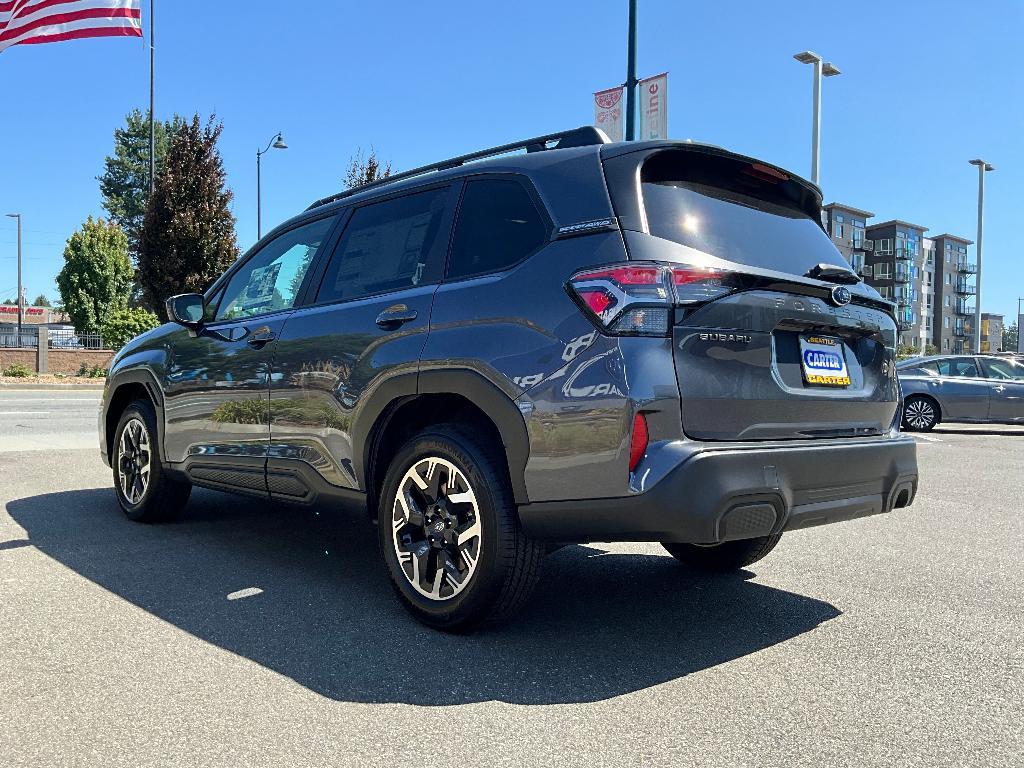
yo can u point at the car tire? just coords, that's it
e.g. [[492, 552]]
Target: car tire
[[146, 493], [920, 414], [450, 535], [728, 556]]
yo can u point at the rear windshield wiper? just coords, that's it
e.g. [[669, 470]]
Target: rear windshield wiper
[[833, 274]]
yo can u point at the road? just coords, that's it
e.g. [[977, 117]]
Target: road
[[252, 635]]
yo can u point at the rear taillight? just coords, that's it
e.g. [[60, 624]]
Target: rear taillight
[[637, 299], [638, 442]]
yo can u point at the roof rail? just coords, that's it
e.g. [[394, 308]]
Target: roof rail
[[576, 137]]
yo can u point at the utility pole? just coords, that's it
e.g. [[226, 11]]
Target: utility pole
[[152, 130], [20, 302], [1020, 347], [631, 75], [983, 167]]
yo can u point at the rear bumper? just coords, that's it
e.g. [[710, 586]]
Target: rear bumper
[[719, 495]]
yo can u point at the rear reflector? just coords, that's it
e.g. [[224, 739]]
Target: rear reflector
[[638, 443]]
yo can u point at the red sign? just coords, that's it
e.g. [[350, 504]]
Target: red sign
[[8, 309]]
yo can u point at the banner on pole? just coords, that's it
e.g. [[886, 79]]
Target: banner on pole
[[608, 112], [1020, 342], [653, 99]]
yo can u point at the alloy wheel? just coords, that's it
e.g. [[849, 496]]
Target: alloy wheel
[[436, 528], [920, 414], [134, 460]]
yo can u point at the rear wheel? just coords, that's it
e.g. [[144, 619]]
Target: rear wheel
[[728, 556], [920, 413], [450, 534], [144, 490]]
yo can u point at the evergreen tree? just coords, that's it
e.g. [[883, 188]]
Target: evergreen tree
[[188, 236], [97, 275], [41, 301], [124, 183]]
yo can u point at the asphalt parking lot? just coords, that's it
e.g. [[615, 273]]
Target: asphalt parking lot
[[249, 634]]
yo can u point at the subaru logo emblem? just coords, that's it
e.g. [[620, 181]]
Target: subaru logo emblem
[[841, 296]]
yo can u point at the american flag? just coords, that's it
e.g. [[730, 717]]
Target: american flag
[[50, 21]]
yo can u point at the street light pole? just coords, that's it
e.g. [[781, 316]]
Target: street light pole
[[983, 167], [1020, 347], [275, 143], [20, 302], [821, 69], [631, 75]]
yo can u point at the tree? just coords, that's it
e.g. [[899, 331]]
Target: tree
[[124, 183], [10, 302], [1010, 336], [122, 325], [41, 301], [363, 171], [188, 236], [97, 275]]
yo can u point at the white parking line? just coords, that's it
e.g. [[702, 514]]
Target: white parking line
[[24, 413], [928, 438]]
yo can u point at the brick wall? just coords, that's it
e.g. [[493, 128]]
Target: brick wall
[[70, 360], [67, 361], [26, 357]]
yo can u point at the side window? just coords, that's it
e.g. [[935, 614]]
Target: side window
[[389, 246], [956, 367], [498, 226], [1002, 369], [271, 279]]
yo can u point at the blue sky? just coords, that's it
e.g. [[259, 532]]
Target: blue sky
[[925, 87]]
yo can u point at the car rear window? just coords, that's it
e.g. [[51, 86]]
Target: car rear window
[[954, 367], [744, 212]]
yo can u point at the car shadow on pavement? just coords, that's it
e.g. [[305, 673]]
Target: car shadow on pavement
[[598, 626]]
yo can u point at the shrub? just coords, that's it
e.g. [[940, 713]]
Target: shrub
[[17, 370], [122, 325]]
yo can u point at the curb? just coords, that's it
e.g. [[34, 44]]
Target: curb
[[54, 387]]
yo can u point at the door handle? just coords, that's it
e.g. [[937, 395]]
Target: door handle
[[999, 388], [260, 337], [394, 316]]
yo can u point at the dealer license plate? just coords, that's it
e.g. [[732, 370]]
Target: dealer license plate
[[823, 362]]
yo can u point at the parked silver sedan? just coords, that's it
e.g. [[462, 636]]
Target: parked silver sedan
[[972, 389]]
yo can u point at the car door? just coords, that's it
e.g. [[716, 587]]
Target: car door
[[366, 322], [217, 379], [963, 393], [1006, 389]]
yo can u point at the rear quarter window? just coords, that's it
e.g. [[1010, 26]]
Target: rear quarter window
[[498, 226]]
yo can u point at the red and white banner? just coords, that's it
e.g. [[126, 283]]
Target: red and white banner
[[653, 98], [608, 112], [51, 21]]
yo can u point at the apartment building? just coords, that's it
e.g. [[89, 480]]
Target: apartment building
[[953, 321], [928, 278], [991, 332]]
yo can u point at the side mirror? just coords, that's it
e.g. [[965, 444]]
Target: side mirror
[[186, 309]]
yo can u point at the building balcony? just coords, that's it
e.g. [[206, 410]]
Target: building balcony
[[966, 269], [904, 325], [904, 254], [903, 301], [901, 277], [962, 331], [966, 290], [963, 309]]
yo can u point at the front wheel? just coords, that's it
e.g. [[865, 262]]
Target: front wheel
[[450, 534], [728, 556], [144, 490], [920, 414]]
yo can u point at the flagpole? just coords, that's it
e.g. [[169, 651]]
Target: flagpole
[[152, 133]]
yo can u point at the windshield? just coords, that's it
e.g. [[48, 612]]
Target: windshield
[[743, 212]]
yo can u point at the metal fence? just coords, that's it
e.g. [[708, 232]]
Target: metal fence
[[69, 339], [58, 338], [28, 339]]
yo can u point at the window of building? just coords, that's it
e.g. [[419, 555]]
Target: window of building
[[388, 246], [883, 271], [945, 344], [949, 278], [885, 291], [961, 249], [498, 226], [945, 322], [270, 280]]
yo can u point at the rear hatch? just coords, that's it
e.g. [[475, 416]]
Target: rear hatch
[[773, 336]]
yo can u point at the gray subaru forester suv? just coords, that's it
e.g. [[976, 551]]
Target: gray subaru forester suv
[[554, 341]]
